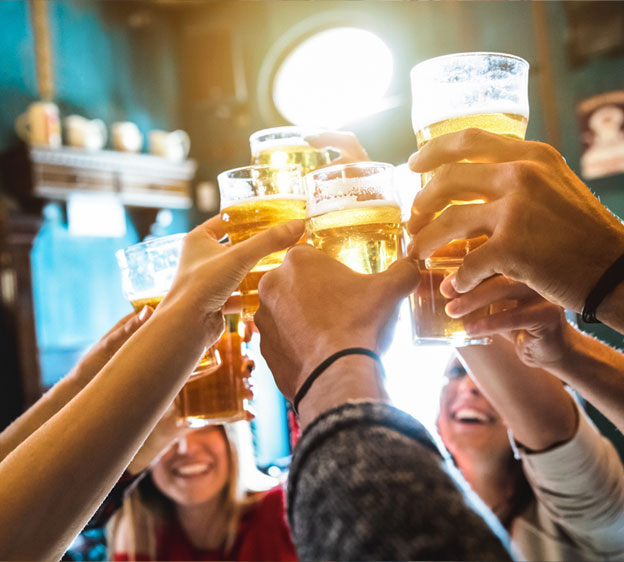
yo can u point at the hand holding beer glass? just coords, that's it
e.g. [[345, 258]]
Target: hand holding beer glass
[[215, 390], [147, 272], [452, 93], [354, 215], [253, 199]]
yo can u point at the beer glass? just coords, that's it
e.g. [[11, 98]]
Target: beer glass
[[353, 214], [218, 397], [147, 272], [280, 146], [450, 93], [253, 199]]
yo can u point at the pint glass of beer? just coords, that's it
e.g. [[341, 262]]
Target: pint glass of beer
[[451, 93], [354, 215], [253, 199], [219, 397], [281, 146], [147, 272]]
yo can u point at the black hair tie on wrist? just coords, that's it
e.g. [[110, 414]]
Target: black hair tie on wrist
[[609, 280], [325, 364]]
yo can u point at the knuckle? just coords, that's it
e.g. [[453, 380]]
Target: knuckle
[[297, 254], [260, 316], [543, 152], [266, 282], [525, 175], [468, 137]]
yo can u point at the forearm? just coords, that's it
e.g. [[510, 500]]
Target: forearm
[[366, 483], [88, 444], [596, 371], [33, 418], [533, 403]]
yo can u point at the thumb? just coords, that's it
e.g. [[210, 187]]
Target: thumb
[[277, 238], [401, 278]]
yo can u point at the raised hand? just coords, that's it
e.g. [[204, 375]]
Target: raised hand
[[545, 227], [538, 328]]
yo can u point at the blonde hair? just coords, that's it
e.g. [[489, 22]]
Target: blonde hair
[[132, 529]]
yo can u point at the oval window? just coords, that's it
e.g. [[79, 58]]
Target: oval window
[[333, 78]]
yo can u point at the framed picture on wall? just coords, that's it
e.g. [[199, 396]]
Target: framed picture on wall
[[602, 134]]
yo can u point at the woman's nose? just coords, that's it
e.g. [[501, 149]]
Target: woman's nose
[[468, 385], [182, 445]]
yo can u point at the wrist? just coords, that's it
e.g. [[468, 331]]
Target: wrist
[[611, 310], [207, 324], [349, 378], [322, 349], [572, 352]]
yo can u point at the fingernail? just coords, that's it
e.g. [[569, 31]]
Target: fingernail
[[145, 313], [452, 308]]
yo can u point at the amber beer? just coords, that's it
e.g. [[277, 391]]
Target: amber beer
[[218, 397], [209, 361], [282, 146], [283, 199], [486, 91], [353, 214], [305, 156], [364, 236]]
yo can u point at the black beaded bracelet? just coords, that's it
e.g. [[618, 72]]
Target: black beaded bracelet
[[609, 280], [325, 364]]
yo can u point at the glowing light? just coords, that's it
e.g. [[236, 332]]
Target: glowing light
[[333, 78], [414, 373]]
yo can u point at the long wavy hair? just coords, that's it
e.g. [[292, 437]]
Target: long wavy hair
[[236, 496]]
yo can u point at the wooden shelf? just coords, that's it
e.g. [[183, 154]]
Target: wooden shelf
[[34, 174]]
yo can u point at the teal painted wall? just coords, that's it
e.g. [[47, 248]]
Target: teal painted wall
[[102, 69]]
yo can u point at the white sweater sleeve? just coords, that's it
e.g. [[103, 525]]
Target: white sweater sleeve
[[580, 484]]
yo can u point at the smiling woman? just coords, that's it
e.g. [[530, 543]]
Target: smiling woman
[[530, 453], [195, 506]]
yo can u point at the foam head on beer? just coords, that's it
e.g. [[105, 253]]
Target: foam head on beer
[[458, 91], [451, 93], [354, 215]]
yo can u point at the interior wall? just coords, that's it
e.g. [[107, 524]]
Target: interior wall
[[107, 67]]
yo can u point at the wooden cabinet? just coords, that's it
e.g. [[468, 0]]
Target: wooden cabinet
[[30, 177]]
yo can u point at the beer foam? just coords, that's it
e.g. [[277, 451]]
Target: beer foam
[[271, 197], [348, 202], [268, 144], [486, 106]]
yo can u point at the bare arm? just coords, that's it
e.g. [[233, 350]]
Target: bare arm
[[55, 479], [533, 403], [63, 391], [596, 371], [543, 338]]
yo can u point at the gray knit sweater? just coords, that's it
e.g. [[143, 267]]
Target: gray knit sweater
[[367, 483]]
